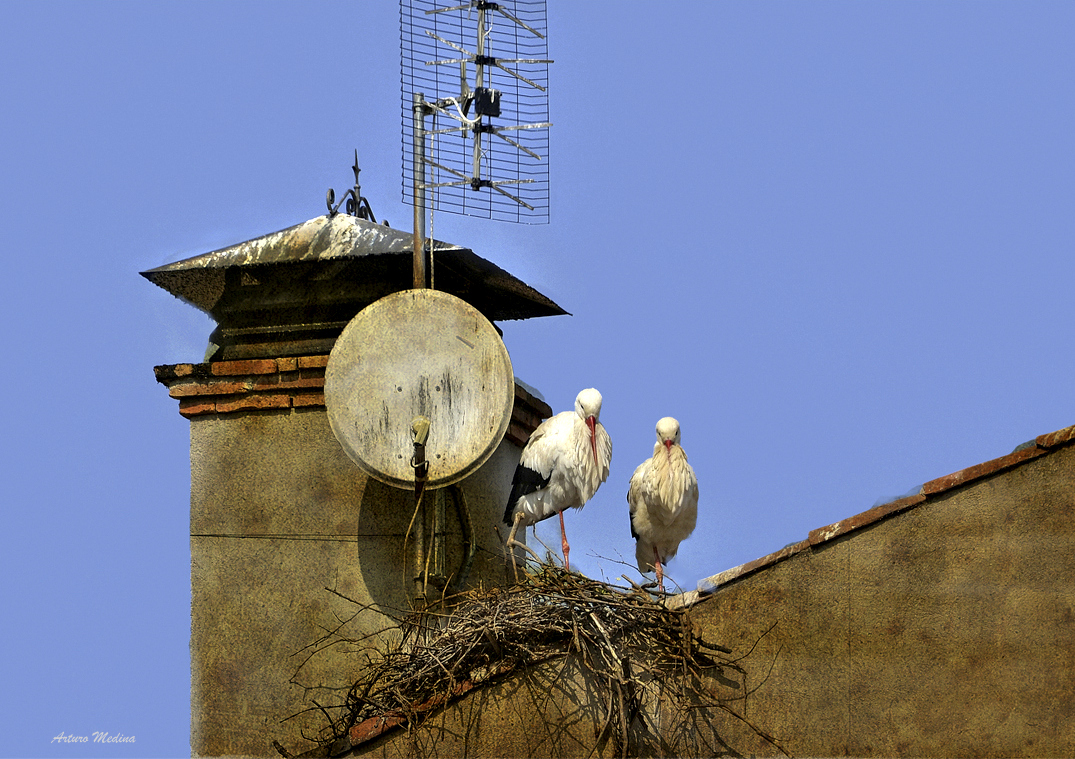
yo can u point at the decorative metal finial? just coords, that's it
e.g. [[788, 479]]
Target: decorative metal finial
[[356, 204]]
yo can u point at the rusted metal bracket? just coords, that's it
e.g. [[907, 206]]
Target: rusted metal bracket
[[419, 434], [438, 577]]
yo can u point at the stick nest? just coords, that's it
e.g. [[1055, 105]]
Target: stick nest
[[628, 642]]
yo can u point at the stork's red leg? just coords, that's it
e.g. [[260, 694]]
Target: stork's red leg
[[659, 569], [565, 546]]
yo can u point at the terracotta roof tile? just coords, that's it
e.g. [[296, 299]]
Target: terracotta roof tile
[[1054, 439], [844, 526], [976, 472]]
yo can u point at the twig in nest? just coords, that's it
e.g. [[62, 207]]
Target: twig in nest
[[511, 555]]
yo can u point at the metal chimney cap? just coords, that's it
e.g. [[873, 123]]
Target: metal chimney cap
[[309, 280], [343, 238]]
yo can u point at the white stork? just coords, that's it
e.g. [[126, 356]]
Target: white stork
[[664, 501], [563, 463]]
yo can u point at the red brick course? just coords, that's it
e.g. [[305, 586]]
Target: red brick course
[[189, 407], [1023, 453], [252, 403], [517, 433], [228, 387], [187, 389], [313, 362], [274, 384], [303, 400], [248, 366], [844, 526], [978, 471]]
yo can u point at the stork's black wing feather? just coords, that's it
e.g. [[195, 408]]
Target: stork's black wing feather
[[631, 516], [526, 481]]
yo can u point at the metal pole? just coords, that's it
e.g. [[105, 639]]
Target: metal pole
[[419, 191], [440, 530], [420, 435], [479, 82]]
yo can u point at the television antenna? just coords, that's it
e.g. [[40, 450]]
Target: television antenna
[[479, 72]]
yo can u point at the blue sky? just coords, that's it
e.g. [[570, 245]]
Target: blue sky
[[832, 239]]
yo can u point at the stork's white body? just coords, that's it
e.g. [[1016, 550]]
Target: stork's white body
[[562, 465], [663, 498], [559, 451]]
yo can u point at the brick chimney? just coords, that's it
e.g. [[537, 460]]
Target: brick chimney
[[288, 537]]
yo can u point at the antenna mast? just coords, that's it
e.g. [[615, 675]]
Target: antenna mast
[[419, 192]]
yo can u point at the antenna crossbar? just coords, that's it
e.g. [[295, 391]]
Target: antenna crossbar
[[486, 60], [476, 185]]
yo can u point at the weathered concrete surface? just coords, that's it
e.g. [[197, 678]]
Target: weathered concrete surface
[[943, 630], [278, 515]]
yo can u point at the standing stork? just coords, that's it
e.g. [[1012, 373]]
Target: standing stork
[[563, 463], [664, 501]]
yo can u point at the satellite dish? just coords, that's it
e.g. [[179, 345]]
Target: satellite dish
[[419, 353]]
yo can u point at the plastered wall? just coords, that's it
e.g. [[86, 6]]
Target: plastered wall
[[280, 515], [945, 630]]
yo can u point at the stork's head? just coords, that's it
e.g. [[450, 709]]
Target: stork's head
[[588, 407], [668, 433]]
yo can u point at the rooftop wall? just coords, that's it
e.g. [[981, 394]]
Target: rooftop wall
[[942, 629]]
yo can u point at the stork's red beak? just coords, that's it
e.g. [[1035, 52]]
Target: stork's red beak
[[668, 448], [592, 424]]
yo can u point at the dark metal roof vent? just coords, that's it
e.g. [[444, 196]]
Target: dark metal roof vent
[[292, 292]]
